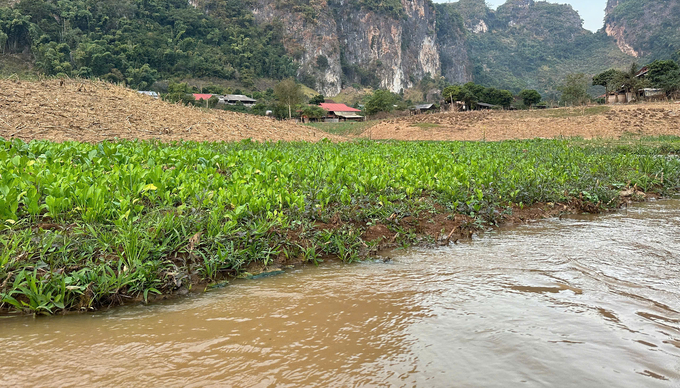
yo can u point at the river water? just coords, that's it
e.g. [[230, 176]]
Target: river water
[[580, 302]]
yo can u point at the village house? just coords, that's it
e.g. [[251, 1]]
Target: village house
[[234, 99], [619, 96], [149, 93], [340, 112], [423, 108], [485, 106], [651, 94], [227, 99], [202, 97], [623, 96]]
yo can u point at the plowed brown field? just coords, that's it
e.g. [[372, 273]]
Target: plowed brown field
[[95, 111], [651, 119]]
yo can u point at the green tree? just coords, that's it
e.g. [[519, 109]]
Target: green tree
[[469, 97], [179, 92], [280, 111], [497, 97], [213, 89], [575, 89], [530, 97], [608, 79], [427, 83], [664, 75], [475, 89], [3, 41], [261, 109], [452, 93], [17, 27], [288, 93], [314, 112], [630, 81], [381, 101], [465, 93], [322, 62], [318, 99], [141, 78]]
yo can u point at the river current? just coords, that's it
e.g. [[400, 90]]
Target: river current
[[582, 301]]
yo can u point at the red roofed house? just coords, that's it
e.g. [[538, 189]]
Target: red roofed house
[[341, 112], [199, 97]]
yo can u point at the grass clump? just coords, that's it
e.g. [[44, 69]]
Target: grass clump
[[89, 225]]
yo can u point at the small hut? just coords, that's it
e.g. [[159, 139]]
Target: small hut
[[340, 112], [423, 108], [235, 99], [485, 106]]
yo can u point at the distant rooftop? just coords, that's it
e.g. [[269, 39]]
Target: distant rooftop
[[238, 97], [423, 106], [148, 93], [199, 96], [338, 107]]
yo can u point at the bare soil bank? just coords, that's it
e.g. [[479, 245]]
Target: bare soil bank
[[652, 119], [91, 111]]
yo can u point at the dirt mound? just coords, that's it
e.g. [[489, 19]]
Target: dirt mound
[[95, 111], [590, 122]]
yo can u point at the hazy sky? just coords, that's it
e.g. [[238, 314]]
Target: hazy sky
[[591, 11]]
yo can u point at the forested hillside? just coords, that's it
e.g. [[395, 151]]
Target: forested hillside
[[139, 41], [645, 28], [527, 44], [331, 44]]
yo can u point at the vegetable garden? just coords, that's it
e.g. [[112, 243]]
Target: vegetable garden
[[86, 226]]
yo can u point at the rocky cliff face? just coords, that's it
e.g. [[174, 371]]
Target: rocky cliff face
[[527, 44], [338, 41], [618, 32], [616, 28], [644, 28], [311, 39], [399, 50]]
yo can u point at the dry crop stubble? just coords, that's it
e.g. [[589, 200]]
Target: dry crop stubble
[[652, 119], [93, 111]]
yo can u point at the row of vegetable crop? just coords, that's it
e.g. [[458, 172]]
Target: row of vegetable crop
[[123, 208], [110, 181]]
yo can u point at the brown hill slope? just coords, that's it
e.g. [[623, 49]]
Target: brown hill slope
[[95, 111], [651, 119]]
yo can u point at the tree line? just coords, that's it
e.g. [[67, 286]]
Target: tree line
[[663, 75], [472, 93], [137, 42]]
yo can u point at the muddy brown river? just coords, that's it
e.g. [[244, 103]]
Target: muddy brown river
[[579, 302]]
